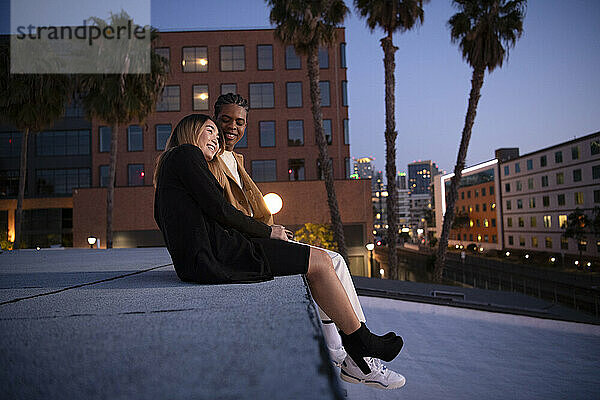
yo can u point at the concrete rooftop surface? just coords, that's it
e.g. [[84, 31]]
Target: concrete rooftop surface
[[100, 324]]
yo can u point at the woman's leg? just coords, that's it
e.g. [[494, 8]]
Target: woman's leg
[[328, 292]]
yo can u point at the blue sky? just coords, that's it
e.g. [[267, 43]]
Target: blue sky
[[548, 91]]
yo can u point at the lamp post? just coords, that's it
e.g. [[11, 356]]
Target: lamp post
[[370, 247], [91, 241]]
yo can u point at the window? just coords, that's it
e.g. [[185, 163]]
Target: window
[[163, 131], [506, 170], [509, 222], [261, 95], [471, 237], [135, 138], [493, 222], [493, 206], [477, 207], [543, 161], [63, 143], [582, 245], [529, 164], [564, 243], [61, 181], [296, 169], [547, 221], [511, 240], [200, 93], [486, 223], [558, 157], [462, 195], [267, 133], [519, 203], [578, 198], [228, 88], [596, 196], [323, 57], [521, 241], [346, 131], [345, 93], [533, 221], [476, 192], [292, 61], [544, 181], [595, 147], [517, 167], [532, 202], [264, 170], [575, 153], [493, 238], [195, 59], [264, 56], [165, 53], [484, 207], [327, 131], [548, 242], [294, 94], [560, 199], [104, 135], [491, 190], [9, 184], [562, 221], [483, 191], [560, 178], [530, 183], [296, 133], [136, 174], [10, 144], [468, 194], [519, 186], [233, 58], [507, 187], [343, 55], [169, 99], [546, 201], [243, 143], [325, 97], [104, 175], [596, 172], [534, 241], [521, 222], [508, 205], [577, 175]]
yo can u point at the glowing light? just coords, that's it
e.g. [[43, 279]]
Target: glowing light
[[142, 174], [405, 230], [526, 255], [91, 240], [552, 259], [576, 262], [370, 246], [203, 96], [381, 272], [589, 264], [274, 202], [481, 249], [507, 253], [202, 61]]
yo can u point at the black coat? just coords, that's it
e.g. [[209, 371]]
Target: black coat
[[207, 238]]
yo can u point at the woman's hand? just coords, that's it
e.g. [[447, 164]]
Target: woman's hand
[[278, 232]]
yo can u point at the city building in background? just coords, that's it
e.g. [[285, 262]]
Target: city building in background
[[363, 168], [401, 180], [68, 164], [540, 189], [420, 174], [478, 215]]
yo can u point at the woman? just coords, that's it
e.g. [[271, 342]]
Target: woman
[[212, 242]]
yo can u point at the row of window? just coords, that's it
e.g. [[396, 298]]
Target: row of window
[[478, 237], [233, 58], [49, 143], [484, 207], [559, 177], [547, 221], [476, 192], [261, 95], [564, 243], [558, 158], [486, 223], [267, 135], [560, 200]]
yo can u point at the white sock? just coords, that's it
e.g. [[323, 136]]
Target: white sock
[[332, 336]]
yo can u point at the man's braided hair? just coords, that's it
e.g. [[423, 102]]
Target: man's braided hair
[[230, 98]]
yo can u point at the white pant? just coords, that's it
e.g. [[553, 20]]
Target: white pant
[[343, 273]]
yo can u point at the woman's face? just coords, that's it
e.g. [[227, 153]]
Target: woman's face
[[208, 140]]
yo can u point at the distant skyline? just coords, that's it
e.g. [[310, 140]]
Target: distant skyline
[[546, 93]]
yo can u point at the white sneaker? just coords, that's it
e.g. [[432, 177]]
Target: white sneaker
[[380, 377], [337, 356]]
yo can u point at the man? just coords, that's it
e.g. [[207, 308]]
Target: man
[[231, 111]]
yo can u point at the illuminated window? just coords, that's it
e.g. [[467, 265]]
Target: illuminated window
[[534, 242], [578, 198], [521, 222], [195, 59], [533, 222], [486, 223], [532, 202], [562, 221], [548, 242], [200, 93], [471, 223], [547, 221]]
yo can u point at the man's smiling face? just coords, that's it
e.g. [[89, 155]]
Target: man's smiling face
[[232, 121]]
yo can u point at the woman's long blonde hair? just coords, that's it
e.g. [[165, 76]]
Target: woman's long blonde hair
[[186, 131]]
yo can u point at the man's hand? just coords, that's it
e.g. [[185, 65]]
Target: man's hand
[[278, 232]]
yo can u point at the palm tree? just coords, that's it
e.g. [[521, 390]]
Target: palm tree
[[391, 16], [484, 30], [117, 100], [32, 103], [307, 25]]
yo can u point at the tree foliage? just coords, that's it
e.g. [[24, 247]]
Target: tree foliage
[[320, 235]]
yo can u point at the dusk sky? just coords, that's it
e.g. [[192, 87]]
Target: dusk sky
[[546, 93]]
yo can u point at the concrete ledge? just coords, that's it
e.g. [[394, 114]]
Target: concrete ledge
[[107, 324]]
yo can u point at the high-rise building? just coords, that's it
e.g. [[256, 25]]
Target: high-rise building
[[419, 176], [401, 180], [363, 168]]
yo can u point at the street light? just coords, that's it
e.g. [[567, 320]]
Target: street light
[[91, 241], [274, 202], [370, 247]]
